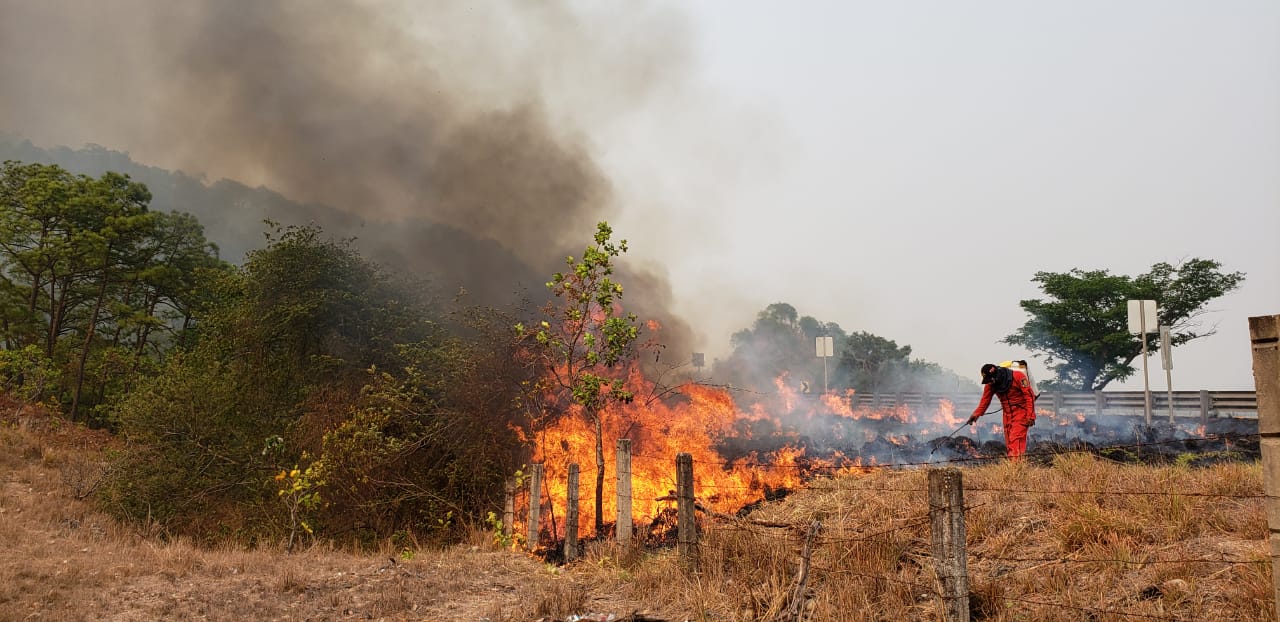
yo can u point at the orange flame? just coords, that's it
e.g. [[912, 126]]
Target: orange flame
[[701, 420]]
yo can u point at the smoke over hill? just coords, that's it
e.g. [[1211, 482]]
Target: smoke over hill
[[437, 134]]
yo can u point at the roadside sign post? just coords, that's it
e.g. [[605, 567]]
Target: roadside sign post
[[825, 349], [1166, 361], [1143, 319]]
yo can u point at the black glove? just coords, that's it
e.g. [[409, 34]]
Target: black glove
[[972, 419]]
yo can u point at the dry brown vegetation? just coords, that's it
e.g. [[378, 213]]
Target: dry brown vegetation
[[1081, 538]]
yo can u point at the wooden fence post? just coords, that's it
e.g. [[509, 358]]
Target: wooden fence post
[[946, 517], [535, 505], [1206, 404], [571, 516], [686, 523], [1264, 333], [622, 528], [508, 507]]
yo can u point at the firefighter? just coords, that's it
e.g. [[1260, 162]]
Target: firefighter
[[1017, 401]]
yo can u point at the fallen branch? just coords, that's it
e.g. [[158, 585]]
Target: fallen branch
[[796, 609]]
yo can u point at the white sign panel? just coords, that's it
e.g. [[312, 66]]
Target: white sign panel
[[824, 346], [1140, 311]]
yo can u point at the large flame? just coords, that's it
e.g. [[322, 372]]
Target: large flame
[[741, 448]]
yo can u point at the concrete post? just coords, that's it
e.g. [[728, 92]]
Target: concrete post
[[1206, 405], [1264, 332], [1100, 402], [509, 507], [571, 516], [623, 526], [535, 505]]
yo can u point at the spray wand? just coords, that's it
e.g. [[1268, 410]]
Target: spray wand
[[937, 442]]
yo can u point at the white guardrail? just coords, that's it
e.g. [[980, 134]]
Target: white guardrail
[[1204, 405]]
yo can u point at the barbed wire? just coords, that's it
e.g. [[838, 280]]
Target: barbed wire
[[911, 524], [1121, 493], [1065, 560], [921, 586]]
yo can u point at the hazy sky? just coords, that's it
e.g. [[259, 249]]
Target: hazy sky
[[924, 159], [902, 168]]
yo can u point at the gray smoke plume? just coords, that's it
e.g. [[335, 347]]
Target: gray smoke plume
[[444, 136]]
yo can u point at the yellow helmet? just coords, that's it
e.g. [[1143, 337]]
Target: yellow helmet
[[1007, 364]]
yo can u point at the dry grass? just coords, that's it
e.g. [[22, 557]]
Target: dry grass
[[62, 560], [1077, 549]]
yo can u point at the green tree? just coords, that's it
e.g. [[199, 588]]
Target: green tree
[[164, 295], [282, 352], [78, 256], [584, 336], [37, 227], [116, 224], [779, 341], [1082, 326], [874, 363]]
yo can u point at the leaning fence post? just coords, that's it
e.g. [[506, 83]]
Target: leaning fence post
[[535, 504], [1264, 333], [687, 528], [946, 517], [571, 516], [508, 507], [622, 528]]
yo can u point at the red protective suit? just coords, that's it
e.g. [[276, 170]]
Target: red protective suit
[[1019, 407]]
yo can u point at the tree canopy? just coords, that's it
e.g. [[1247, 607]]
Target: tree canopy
[[320, 393], [1081, 327], [780, 343], [91, 278]]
